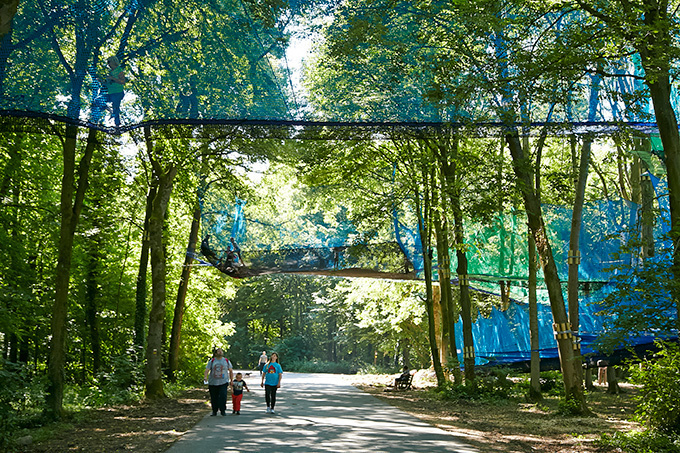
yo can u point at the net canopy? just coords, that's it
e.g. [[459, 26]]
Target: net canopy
[[272, 63], [327, 243]]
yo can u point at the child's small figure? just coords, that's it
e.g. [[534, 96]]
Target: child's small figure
[[237, 386]]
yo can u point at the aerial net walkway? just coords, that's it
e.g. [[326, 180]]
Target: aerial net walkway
[[117, 65], [328, 244]]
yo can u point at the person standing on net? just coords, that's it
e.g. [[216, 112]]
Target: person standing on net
[[114, 82], [237, 386], [218, 375], [271, 381]]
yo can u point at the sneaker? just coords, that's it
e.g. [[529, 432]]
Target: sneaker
[[269, 410], [238, 412], [223, 413], [272, 411]]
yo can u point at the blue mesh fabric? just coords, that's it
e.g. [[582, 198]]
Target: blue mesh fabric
[[323, 242]]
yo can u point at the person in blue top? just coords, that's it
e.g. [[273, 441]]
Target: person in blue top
[[114, 82], [271, 381]]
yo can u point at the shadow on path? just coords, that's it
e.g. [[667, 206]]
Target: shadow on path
[[315, 413]]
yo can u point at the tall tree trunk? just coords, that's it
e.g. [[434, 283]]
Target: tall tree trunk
[[70, 213], [621, 167], [523, 171], [653, 49], [424, 231], [574, 258], [535, 375], [439, 322], [634, 175], [668, 131], [646, 205], [453, 187], [180, 303], [8, 8], [464, 287], [445, 169], [140, 293], [10, 188], [444, 297], [154, 343], [446, 294], [91, 310]]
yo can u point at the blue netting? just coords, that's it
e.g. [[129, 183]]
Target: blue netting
[[607, 226], [323, 241], [327, 242]]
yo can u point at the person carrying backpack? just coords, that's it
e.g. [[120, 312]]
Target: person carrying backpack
[[218, 375]]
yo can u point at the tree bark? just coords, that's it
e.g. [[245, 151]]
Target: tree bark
[[647, 206], [180, 303], [424, 232], [653, 49], [91, 309], [70, 209], [612, 381], [154, 344], [140, 292], [453, 189], [535, 374], [446, 300], [444, 297], [574, 257], [524, 172], [668, 130]]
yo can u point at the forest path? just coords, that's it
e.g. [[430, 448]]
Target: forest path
[[315, 413]]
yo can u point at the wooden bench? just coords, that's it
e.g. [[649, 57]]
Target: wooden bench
[[403, 384]]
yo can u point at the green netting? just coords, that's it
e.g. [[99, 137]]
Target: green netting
[[328, 243]]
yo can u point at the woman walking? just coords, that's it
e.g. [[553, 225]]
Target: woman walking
[[218, 375], [271, 381]]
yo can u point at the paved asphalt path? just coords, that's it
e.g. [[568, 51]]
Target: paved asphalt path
[[315, 413]]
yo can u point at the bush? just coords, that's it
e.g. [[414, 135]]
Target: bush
[[641, 442], [568, 406], [551, 383], [314, 366], [10, 376], [376, 369], [21, 396], [659, 399], [122, 383], [293, 349], [494, 387], [191, 369]]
